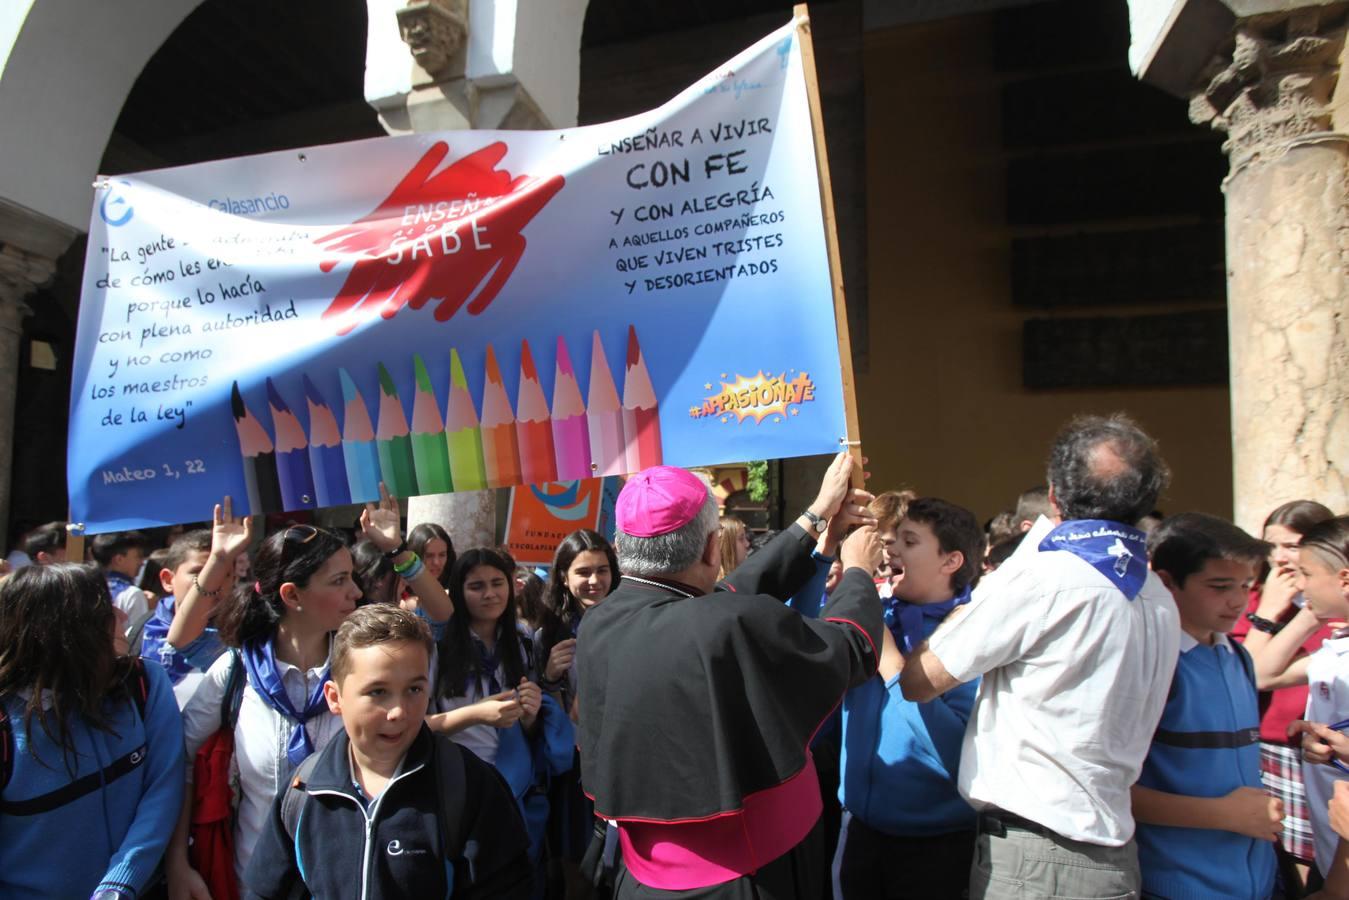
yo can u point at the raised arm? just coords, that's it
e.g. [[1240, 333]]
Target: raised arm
[[381, 525], [1276, 665], [230, 537]]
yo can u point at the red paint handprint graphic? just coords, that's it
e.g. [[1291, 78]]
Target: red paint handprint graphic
[[450, 237]]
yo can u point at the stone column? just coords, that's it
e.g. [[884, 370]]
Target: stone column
[[454, 85], [21, 273], [1285, 110]]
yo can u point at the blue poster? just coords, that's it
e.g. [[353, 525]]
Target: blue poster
[[460, 311]]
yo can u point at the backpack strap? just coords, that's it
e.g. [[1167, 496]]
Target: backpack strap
[[451, 782], [234, 693], [1246, 662], [136, 630], [138, 685], [293, 800]]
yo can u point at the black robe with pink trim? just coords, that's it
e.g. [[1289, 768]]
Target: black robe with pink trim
[[697, 713]]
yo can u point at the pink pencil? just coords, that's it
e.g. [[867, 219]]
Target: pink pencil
[[538, 462], [604, 415], [571, 438]]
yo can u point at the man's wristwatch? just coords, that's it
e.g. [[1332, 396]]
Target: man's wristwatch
[[815, 521], [1260, 623]]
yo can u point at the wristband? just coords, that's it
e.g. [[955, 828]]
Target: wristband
[[201, 590], [411, 569], [397, 551], [1260, 623], [815, 521]]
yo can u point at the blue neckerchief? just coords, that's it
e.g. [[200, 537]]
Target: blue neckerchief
[[260, 665], [117, 582], [488, 664], [913, 623], [1117, 551]]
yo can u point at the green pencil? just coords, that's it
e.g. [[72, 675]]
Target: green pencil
[[393, 441], [428, 436], [462, 432]]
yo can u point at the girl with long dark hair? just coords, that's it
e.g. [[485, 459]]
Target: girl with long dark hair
[[90, 742], [584, 571], [487, 695]]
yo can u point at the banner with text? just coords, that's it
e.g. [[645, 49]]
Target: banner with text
[[461, 310]]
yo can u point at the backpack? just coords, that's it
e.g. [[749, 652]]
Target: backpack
[[211, 849], [448, 769], [138, 686]]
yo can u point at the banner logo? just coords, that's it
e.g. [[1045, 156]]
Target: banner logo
[[757, 397], [453, 236]]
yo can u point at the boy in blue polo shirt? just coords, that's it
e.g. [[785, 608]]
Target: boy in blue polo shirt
[[198, 573], [906, 832], [1206, 826]]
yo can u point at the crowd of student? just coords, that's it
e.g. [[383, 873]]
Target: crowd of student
[[1157, 711]]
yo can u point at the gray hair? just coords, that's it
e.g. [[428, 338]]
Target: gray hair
[[666, 554], [1087, 486]]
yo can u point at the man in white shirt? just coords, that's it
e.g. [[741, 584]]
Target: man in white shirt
[[1077, 642]]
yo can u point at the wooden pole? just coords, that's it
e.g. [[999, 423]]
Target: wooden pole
[[74, 540], [853, 438]]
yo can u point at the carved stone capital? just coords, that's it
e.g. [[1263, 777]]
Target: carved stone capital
[[434, 30], [1277, 84]]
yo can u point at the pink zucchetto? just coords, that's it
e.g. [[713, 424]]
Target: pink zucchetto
[[658, 501]]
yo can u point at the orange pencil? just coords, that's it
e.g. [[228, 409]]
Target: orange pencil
[[533, 425], [641, 415], [500, 455], [604, 414]]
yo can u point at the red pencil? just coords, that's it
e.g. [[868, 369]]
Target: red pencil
[[641, 415]]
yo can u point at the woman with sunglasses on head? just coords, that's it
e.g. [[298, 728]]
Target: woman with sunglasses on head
[[280, 627], [91, 765]]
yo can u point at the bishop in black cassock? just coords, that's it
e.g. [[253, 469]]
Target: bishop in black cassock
[[699, 699]]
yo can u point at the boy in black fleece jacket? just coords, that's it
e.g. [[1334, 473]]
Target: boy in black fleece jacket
[[388, 809]]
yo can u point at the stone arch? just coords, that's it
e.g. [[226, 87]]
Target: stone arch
[[66, 71]]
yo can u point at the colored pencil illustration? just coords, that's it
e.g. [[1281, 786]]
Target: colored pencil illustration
[[428, 436], [259, 458], [641, 416], [533, 426], [463, 437], [393, 440], [325, 450], [358, 444], [500, 453], [571, 437], [292, 454], [604, 416]]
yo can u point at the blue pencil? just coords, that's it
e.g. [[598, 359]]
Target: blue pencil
[[326, 455], [292, 455], [358, 444]]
